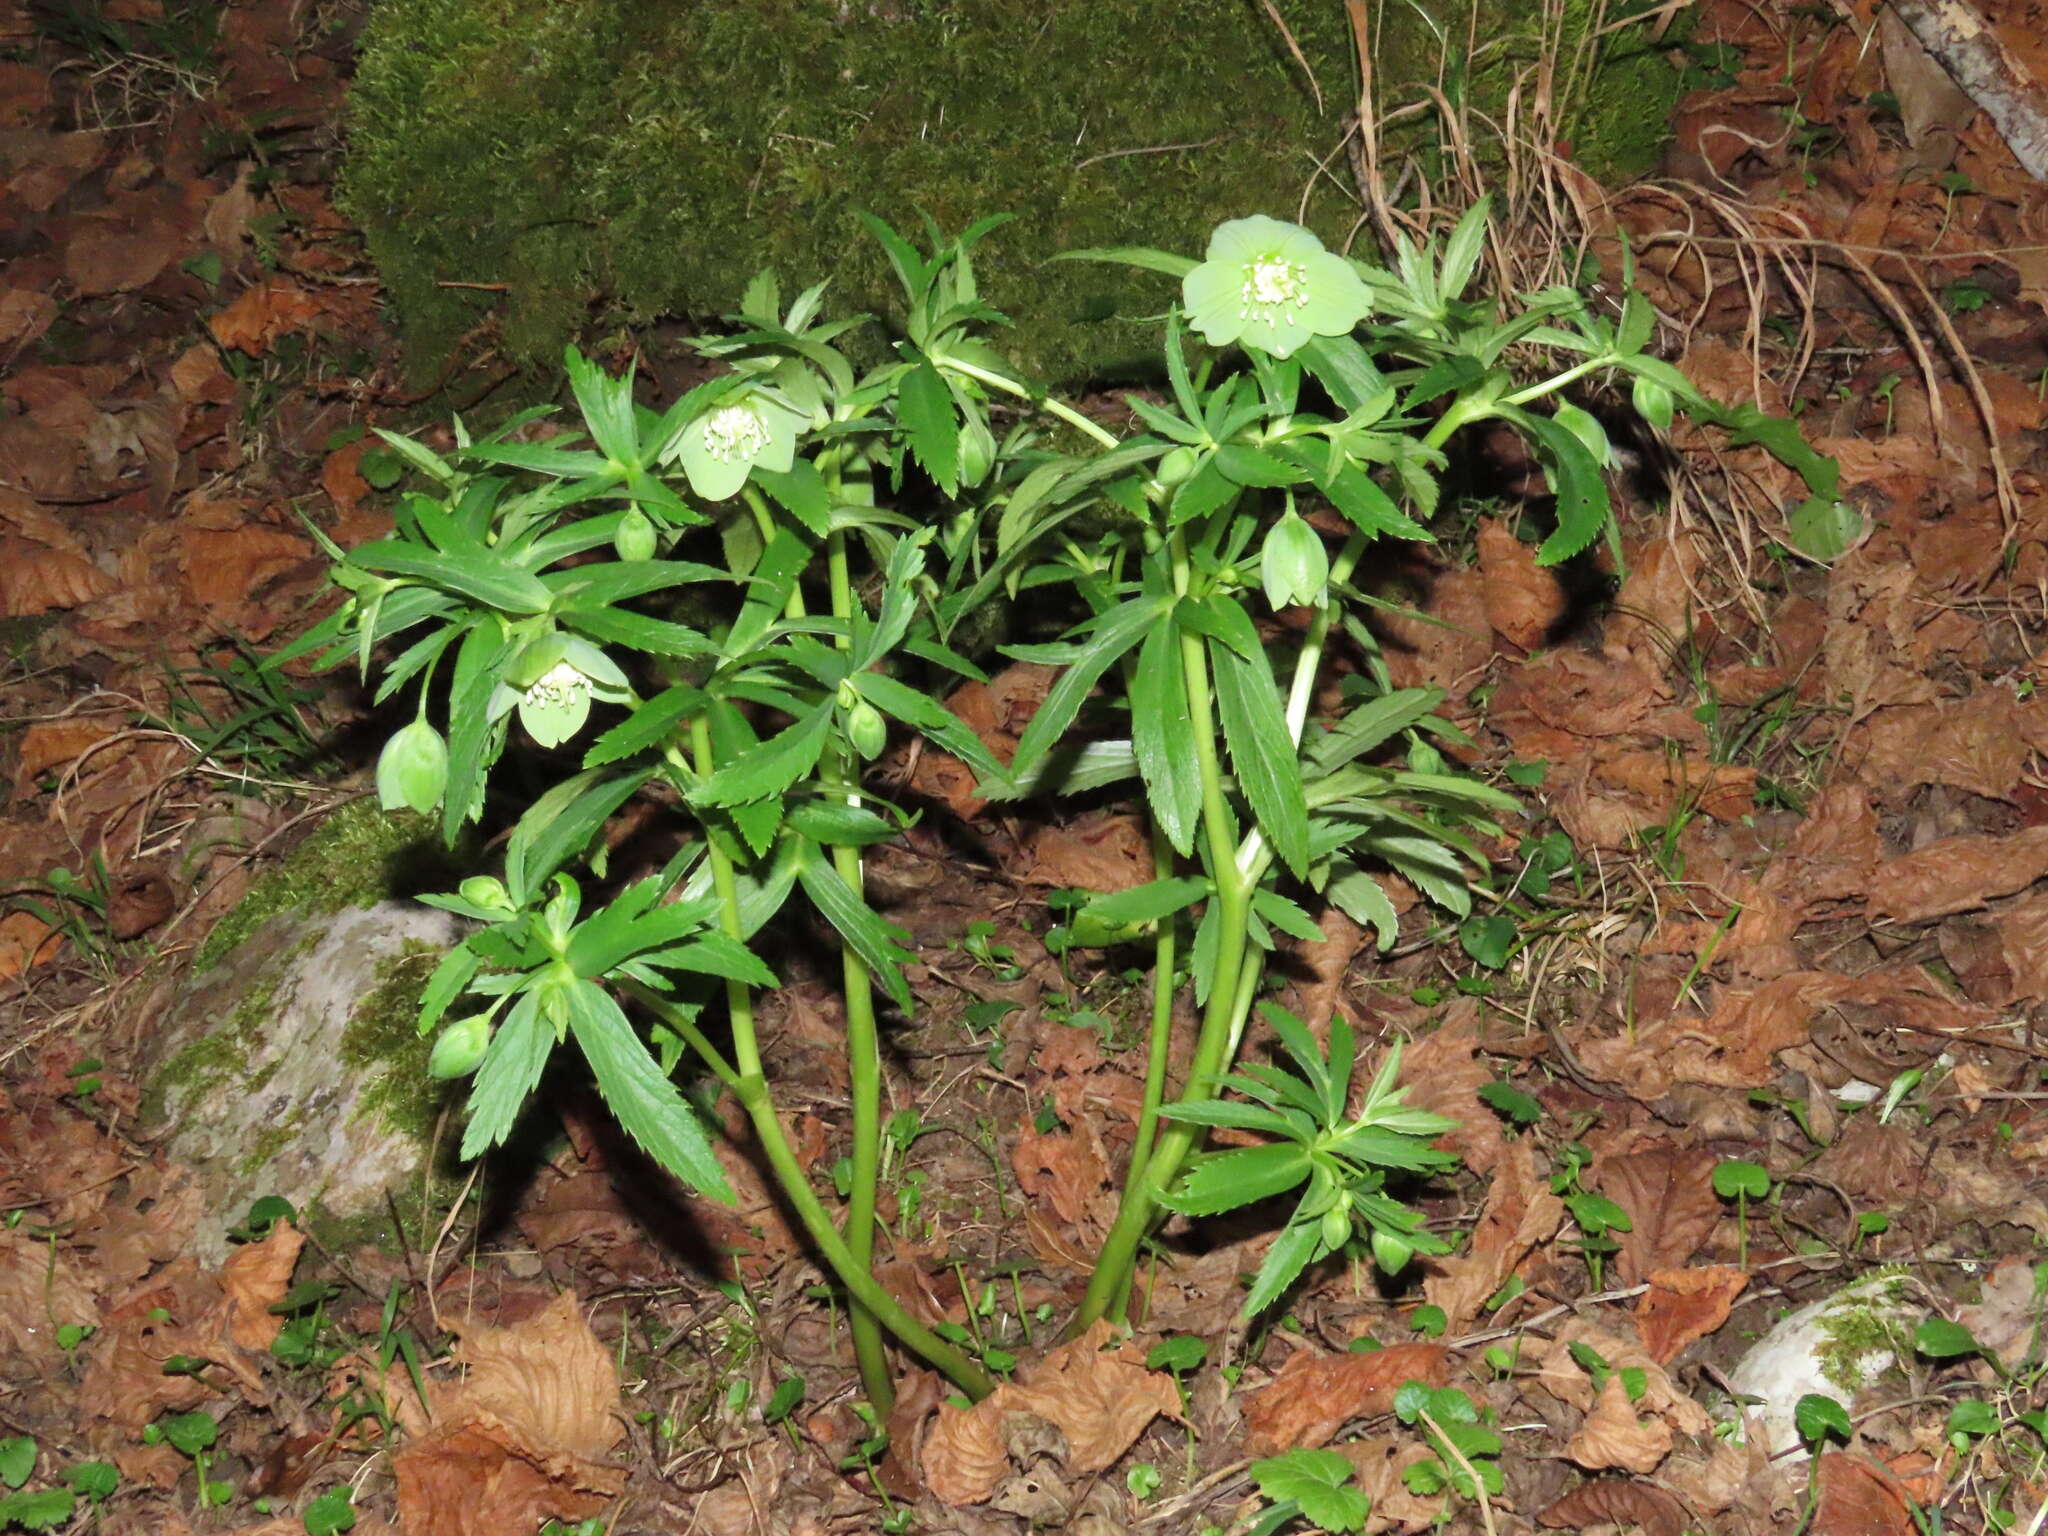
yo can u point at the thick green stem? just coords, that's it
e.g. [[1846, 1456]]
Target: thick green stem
[[1109, 1286], [1164, 960], [865, 1290], [863, 1057], [744, 1076]]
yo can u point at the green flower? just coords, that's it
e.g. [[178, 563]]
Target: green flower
[[1272, 286], [412, 770], [728, 442], [552, 684]]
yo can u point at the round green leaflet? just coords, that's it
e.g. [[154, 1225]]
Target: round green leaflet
[[1272, 286]]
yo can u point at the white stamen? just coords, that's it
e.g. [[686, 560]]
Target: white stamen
[[734, 432]]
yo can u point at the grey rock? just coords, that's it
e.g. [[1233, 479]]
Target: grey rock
[[293, 1067]]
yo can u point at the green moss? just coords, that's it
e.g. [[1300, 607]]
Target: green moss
[[1861, 1327], [360, 855], [383, 1038]]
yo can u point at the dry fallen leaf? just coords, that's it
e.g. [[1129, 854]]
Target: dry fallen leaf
[[547, 1380], [1683, 1305], [1668, 1192], [1858, 1498], [1101, 1400], [479, 1478], [1521, 1214], [1618, 1502], [255, 1277], [1612, 1435], [1314, 1395]]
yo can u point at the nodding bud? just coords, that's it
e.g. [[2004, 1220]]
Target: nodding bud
[[461, 1048], [1337, 1225], [412, 770], [634, 538], [486, 891], [867, 730], [1293, 565], [977, 451], [1174, 466]]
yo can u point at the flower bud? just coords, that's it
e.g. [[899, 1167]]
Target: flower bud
[[1175, 465], [1392, 1253], [460, 1048], [412, 770], [1337, 1225], [866, 729], [977, 451], [486, 891], [1293, 564], [634, 539]]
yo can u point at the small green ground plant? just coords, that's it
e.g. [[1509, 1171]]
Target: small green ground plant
[[759, 585]]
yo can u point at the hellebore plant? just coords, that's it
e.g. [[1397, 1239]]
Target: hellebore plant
[[550, 584]]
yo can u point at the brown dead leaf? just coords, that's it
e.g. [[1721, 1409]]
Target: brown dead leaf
[[2023, 939], [1100, 1399], [1683, 1305], [278, 307], [1958, 873], [1858, 1498], [54, 743], [1668, 1192], [1315, 1395], [1097, 851], [2005, 1320], [1443, 1073], [42, 566], [1561, 1376], [1612, 1435], [479, 1478], [546, 1380], [1975, 744], [1066, 1167], [41, 1289], [1524, 600], [26, 941], [1521, 1213], [256, 1276], [1618, 1502]]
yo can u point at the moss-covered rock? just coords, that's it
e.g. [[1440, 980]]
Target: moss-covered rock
[[629, 159], [293, 1067]]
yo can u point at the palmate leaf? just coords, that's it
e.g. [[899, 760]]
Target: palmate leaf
[[1113, 633], [511, 1068], [1290, 1124], [1163, 737], [1292, 1252], [561, 823], [878, 944], [1262, 752], [480, 573], [636, 1090], [1320, 1482], [1223, 1181]]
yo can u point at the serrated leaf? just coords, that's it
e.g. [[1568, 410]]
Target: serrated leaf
[[1320, 1482], [771, 767], [924, 406], [511, 1068], [1224, 1181], [878, 944], [1148, 902], [1262, 753], [1163, 737], [1116, 632], [645, 1100]]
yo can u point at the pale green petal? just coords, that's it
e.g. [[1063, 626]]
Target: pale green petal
[[1337, 296], [1209, 295], [552, 719], [1239, 240]]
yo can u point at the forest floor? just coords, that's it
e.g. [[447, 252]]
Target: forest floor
[[1792, 820]]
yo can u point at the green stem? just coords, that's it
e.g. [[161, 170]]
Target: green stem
[[863, 1054], [1164, 959], [1045, 403], [865, 1290], [1109, 1286], [744, 1076]]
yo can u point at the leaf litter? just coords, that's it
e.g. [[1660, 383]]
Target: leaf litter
[[1804, 806]]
